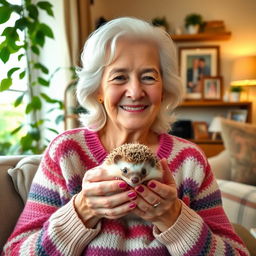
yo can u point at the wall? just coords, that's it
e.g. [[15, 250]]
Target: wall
[[238, 15]]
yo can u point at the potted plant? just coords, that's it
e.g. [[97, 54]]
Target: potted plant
[[235, 93], [161, 23], [29, 48], [193, 22]]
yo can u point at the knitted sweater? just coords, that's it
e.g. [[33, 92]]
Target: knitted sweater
[[49, 224]]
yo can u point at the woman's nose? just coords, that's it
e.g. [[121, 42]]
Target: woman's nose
[[135, 89]]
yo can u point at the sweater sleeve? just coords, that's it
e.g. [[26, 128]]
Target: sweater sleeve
[[202, 227], [49, 224]]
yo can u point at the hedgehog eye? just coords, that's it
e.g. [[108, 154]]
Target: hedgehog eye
[[143, 171], [125, 170]]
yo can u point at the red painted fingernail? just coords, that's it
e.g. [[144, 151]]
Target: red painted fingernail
[[132, 194], [132, 205], [152, 185], [140, 189], [122, 185]]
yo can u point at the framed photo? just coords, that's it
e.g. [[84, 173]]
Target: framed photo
[[200, 130], [212, 87], [239, 115], [196, 63]]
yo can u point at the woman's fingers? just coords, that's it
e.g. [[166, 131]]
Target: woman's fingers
[[118, 211], [111, 201], [98, 174], [167, 174], [103, 187]]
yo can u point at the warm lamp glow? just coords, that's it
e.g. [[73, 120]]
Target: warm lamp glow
[[244, 72]]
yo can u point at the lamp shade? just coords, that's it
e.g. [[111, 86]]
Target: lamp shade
[[215, 125], [244, 71]]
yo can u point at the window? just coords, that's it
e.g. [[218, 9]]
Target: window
[[11, 117]]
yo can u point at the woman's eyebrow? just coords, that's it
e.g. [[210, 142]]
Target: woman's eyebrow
[[117, 70], [149, 70]]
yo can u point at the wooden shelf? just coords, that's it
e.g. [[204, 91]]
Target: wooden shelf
[[218, 104], [199, 103], [201, 37]]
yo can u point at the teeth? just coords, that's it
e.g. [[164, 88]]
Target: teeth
[[132, 108]]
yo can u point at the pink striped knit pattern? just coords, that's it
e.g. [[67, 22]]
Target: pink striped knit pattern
[[49, 224]]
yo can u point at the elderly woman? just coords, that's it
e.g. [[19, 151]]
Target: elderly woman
[[130, 86]]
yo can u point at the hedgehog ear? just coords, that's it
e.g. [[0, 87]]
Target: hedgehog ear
[[152, 162], [117, 158]]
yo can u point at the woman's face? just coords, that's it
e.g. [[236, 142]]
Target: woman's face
[[131, 86]]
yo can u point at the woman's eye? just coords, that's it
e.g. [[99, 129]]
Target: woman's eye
[[149, 78], [119, 78]]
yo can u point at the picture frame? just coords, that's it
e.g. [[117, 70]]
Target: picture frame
[[212, 88], [239, 115], [195, 63], [200, 129]]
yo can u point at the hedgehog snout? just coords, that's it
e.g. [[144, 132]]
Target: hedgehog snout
[[135, 180]]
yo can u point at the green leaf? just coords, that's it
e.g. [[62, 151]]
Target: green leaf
[[22, 74], [20, 56], [17, 8], [5, 84], [35, 49], [29, 108], [37, 124], [16, 129], [35, 134], [40, 38], [32, 11], [46, 6], [48, 99], [47, 31], [4, 54], [43, 68], [22, 23], [19, 100], [53, 130], [43, 82], [36, 102], [11, 34], [11, 71], [59, 119], [26, 142], [5, 13]]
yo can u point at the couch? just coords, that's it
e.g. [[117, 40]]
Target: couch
[[16, 173]]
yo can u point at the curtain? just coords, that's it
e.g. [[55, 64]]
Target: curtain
[[78, 26]]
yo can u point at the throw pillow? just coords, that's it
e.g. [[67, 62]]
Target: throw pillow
[[23, 173], [240, 140]]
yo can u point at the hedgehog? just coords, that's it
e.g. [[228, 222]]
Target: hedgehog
[[134, 163]]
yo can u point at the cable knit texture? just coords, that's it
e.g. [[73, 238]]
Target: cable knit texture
[[49, 224]]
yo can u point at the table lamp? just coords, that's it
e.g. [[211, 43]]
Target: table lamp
[[215, 127], [243, 72]]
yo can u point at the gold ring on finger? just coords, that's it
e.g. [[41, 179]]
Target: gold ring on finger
[[157, 204]]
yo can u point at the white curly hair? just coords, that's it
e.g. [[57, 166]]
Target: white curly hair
[[94, 60]]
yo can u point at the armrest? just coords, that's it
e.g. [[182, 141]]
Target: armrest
[[239, 202], [220, 165]]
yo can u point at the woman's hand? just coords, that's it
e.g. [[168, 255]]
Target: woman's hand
[[103, 196], [158, 202]]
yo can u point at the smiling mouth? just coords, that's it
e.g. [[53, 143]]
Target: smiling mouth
[[133, 108]]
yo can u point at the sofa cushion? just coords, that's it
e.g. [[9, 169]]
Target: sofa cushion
[[239, 201], [23, 173], [240, 141]]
